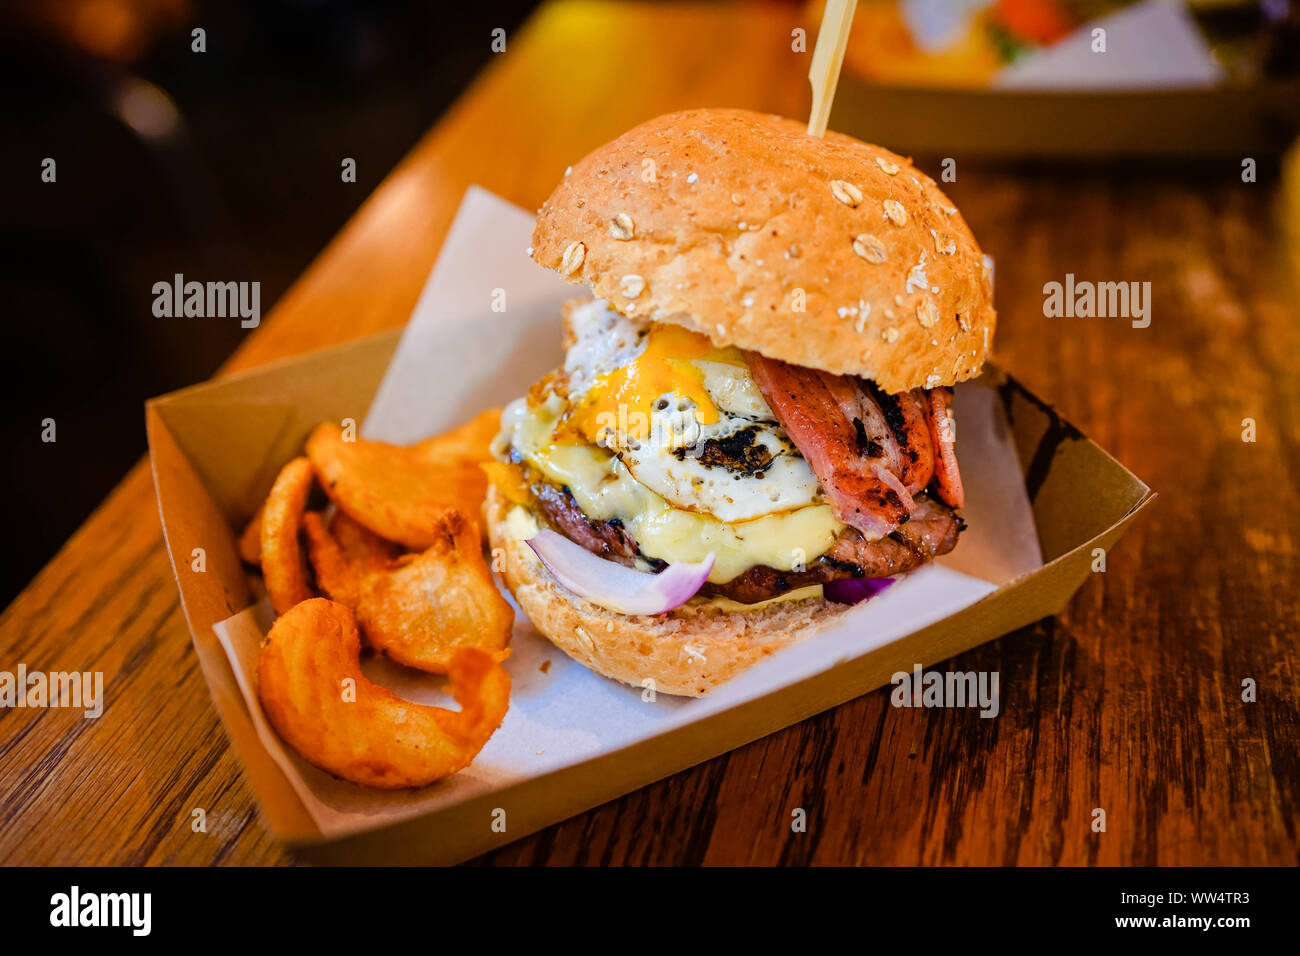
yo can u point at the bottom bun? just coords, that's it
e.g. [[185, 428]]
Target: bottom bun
[[688, 651]]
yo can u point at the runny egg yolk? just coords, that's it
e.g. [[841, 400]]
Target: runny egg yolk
[[623, 399]]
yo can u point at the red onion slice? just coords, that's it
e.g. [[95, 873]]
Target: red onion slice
[[854, 590], [614, 586]]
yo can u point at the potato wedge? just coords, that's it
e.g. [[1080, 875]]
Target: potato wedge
[[314, 694], [284, 566], [418, 609], [398, 492], [249, 544]]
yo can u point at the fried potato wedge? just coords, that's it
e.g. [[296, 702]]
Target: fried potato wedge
[[249, 544], [284, 567], [470, 442], [418, 609], [398, 491], [362, 547], [313, 692]]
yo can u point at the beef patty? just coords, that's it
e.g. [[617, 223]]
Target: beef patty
[[931, 531]]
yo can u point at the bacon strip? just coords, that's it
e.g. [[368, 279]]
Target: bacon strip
[[857, 405], [875, 437], [843, 435], [947, 478], [908, 415]]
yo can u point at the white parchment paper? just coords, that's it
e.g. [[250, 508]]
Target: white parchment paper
[[456, 357]]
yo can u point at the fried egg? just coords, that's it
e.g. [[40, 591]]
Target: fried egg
[[684, 417]]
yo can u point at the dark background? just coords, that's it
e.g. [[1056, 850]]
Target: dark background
[[244, 185]]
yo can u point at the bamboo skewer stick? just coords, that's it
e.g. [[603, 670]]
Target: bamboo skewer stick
[[828, 55]]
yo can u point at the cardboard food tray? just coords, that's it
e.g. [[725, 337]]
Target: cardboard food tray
[[216, 448]]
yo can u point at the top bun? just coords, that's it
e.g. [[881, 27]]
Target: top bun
[[827, 253]]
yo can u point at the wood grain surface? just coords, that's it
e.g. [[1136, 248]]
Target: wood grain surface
[[1130, 701]]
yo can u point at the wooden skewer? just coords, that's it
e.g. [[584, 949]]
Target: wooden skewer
[[824, 74]]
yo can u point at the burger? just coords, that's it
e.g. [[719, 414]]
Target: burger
[[752, 428]]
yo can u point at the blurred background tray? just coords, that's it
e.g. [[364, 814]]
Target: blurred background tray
[[1009, 124]]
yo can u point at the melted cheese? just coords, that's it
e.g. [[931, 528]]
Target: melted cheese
[[726, 604]]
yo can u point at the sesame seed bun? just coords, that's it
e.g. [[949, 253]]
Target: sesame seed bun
[[686, 652], [827, 253]]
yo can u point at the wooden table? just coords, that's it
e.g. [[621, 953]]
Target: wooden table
[[1130, 701]]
